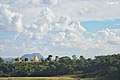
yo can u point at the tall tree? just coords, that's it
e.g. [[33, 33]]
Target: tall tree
[[18, 59], [1, 60], [26, 59], [48, 58], [56, 58], [74, 57], [67, 60]]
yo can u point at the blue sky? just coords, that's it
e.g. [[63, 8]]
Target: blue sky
[[93, 26], [59, 27]]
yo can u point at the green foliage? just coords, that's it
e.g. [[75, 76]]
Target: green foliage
[[26, 59], [24, 79], [105, 67], [1, 60]]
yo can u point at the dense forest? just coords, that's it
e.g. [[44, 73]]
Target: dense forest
[[101, 67]]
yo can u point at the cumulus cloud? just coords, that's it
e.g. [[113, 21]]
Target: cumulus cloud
[[51, 2], [103, 41], [112, 2], [106, 39], [71, 34], [42, 24], [58, 29], [91, 10], [2, 47], [46, 15], [58, 37], [67, 33], [10, 20], [77, 9]]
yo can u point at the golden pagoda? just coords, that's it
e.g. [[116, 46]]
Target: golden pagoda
[[36, 59]]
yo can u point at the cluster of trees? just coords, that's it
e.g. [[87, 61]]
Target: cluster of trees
[[104, 67]]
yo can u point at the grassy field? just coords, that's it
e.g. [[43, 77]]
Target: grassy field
[[45, 78]]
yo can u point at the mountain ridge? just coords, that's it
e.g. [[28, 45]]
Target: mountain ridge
[[29, 56]]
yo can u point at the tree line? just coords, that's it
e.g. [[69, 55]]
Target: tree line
[[106, 67]]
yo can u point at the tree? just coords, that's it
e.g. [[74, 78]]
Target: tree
[[1, 60], [48, 58], [74, 57], [26, 59], [18, 59], [81, 57], [56, 58], [67, 60], [107, 67], [82, 61]]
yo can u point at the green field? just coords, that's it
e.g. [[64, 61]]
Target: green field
[[45, 78]]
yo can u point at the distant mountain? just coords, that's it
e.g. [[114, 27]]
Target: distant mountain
[[31, 56], [9, 59]]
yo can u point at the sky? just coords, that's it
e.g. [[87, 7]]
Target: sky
[[59, 27]]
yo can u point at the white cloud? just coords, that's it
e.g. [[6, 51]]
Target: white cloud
[[42, 25], [51, 2], [46, 15], [90, 10], [58, 37], [16, 36], [72, 37], [77, 9], [10, 20], [103, 42], [57, 29], [112, 3], [2, 47], [37, 32]]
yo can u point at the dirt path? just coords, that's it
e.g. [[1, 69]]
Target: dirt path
[[37, 78]]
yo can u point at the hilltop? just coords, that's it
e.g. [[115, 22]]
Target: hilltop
[[29, 56]]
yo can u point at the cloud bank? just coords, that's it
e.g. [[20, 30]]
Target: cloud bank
[[54, 26], [10, 20]]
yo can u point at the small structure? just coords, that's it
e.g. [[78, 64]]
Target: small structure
[[18, 59], [35, 59]]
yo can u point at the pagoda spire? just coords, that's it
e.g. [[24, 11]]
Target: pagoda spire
[[36, 59]]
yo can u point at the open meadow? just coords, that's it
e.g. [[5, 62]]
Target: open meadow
[[46, 78]]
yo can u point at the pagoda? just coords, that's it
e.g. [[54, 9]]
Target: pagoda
[[36, 59]]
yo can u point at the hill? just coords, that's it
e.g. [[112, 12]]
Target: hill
[[8, 59], [31, 56]]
